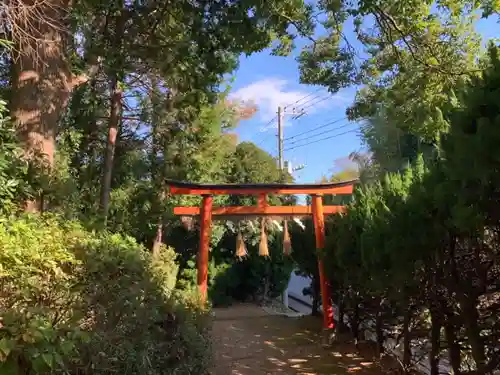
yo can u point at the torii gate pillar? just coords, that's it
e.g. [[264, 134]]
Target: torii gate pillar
[[319, 231], [203, 254]]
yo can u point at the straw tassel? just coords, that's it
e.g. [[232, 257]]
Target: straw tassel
[[287, 242], [263, 247], [241, 249]]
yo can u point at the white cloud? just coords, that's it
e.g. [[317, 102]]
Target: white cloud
[[267, 94]]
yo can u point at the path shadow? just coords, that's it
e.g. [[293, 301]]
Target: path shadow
[[248, 342]]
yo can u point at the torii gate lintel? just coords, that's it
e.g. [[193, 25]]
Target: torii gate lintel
[[206, 212]]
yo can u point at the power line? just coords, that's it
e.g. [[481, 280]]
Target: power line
[[271, 121], [301, 105], [259, 142], [304, 97], [262, 142], [321, 99], [316, 128], [320, 140], [324, 132], [288, 105]]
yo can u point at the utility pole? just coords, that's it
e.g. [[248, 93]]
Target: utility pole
[[281, 164], [281, 117]]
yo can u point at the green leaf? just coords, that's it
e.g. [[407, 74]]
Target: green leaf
[[9, 368], [67, 347], [58, 359], [48, 358], [6, 346]]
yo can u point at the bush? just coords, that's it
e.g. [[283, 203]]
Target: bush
[[80, 303], [230, 279], [261, 276], [220, 281], [167, 268], [13, 169]]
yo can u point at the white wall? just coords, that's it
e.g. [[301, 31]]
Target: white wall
[[296, 285]]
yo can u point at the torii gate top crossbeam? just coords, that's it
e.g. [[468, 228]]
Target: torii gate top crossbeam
[[182, 188]]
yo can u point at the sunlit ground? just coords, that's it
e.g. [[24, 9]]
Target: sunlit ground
[[247, 341]]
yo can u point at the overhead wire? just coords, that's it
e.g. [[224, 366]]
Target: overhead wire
[[314, 100], [260, 141], [271, 121], [316, 128], [304, 97], [300, 106], [323, 132], [320, 140], [262, 138], [311, 97]]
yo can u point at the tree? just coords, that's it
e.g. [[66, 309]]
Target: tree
[[49, 22], [131, 39], [475, 130], [409, 254], [408, 74], [42, 77]]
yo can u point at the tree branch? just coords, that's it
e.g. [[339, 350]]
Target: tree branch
[[378, 11]]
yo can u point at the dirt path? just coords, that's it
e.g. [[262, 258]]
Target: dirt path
[[248, 341]]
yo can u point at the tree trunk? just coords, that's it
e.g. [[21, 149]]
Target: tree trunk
[[154, 165], [84, 160], [267, 282], [354, 320], [158, 240], [158, 172], [114, 119], [341, 312], [451, 325], [379, 329], [436, 324], [468, 312], [470, 318], [453, 345], [41, 83], [114, 122], [407, 339], [39, 96]]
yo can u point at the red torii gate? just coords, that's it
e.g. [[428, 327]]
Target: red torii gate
[[206, 211]]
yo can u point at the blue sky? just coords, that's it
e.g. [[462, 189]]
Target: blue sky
[[271, 81]]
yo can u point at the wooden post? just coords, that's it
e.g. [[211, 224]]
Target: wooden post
[[262, 201], [319, 231], [205, 227]]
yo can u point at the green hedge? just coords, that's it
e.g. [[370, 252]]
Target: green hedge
[[83, 303], [231, 279]]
